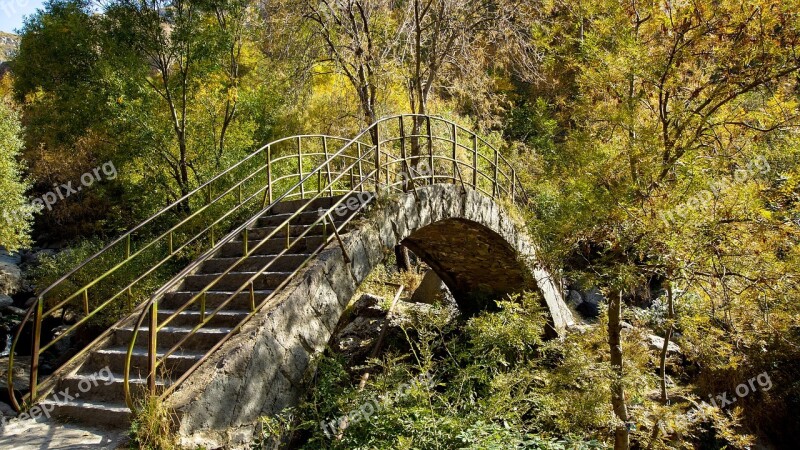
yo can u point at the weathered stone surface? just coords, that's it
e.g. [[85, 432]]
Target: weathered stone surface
[[432, 290], [574, 298], [5, 301], [10, 278], [657, 343], [470, 242]]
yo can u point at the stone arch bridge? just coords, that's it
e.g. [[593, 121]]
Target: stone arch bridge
[[236, 330]]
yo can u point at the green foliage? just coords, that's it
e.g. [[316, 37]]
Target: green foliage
[[15, 212], [477, 398]]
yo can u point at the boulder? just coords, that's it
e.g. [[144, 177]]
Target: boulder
[[432, 290], [13, 310], [590, 307], [6, 410], [657, 343], [10, 278], [368, 305], [5, 301], [574, 298]]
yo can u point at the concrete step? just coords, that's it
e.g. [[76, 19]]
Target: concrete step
[[225, 318], [341, 212], [293, 205], [234, 280], [95, 388], [273, 246], [174, 300], [114, 358], [202, 340], [95, 413], [255, 235], [304, 218], [284, 263]]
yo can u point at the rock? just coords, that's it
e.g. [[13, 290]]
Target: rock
[[6, 410], [657, 343], [574, 298], [593, 296], [590, 307], [22, 373], [13, 259], [10, 278], [13, 310], [432, 290], [5, 301], [580, 328], [368, 305], [589, 310]]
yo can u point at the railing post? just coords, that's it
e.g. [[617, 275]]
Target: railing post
[[377, 159], [455, 152], [152, 349], [475, 161], [170, 243], [245, 242], [37, 333], [496, 168], [86, 301], [430, 150], [405, 171], [203, 307], [252, 297], [128, 247], [360, 170], [268, 194], [328, 167], [300, 166], [513, 185]]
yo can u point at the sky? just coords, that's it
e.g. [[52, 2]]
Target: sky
[[13, 11]]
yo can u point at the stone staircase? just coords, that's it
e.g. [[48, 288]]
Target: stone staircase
[[94, 387]]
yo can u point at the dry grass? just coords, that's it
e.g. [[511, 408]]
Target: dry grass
[[153, 426]]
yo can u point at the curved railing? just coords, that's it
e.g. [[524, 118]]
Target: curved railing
[[121, 277], [124, 272], [439, 151]]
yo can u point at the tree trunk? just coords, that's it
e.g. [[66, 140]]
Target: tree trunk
[[621, 433], [403, 259], [667, 337]]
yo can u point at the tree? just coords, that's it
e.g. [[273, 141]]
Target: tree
[[356, 38], [683, 123], [62, 87], [15, 211], [166, 35]]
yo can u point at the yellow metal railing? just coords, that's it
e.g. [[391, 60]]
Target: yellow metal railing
[[385, 167], [411, 151], [112, 277]]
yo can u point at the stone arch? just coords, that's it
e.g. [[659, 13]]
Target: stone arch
[[469, 239]]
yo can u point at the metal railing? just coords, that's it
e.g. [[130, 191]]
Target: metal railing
[[390, 166], [121, 275], [435, 150]]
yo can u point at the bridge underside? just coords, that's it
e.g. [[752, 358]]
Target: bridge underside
[[467, 238], [476, 263]]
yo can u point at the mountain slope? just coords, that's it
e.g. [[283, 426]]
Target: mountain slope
[[8, 45]]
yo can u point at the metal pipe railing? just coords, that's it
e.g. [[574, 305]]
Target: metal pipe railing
[[139, 269], [290, 176]]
